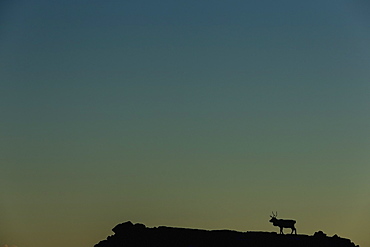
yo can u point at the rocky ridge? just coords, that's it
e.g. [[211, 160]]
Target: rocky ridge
[[128, 235]]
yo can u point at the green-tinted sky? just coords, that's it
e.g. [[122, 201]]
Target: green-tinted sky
[[204, 114]]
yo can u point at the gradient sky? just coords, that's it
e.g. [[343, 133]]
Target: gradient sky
[[204, 114]]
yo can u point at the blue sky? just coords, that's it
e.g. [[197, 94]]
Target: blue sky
[[206, 114]]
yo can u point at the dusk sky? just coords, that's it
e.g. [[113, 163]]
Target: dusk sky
[[199, 114]]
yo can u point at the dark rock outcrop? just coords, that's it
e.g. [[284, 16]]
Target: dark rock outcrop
[[128, 235]]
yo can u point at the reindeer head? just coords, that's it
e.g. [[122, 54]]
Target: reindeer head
[[273, 217]]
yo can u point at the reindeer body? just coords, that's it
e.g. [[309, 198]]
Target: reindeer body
[[283, 224]]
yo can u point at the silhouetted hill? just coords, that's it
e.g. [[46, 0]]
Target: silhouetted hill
[[138, 235]]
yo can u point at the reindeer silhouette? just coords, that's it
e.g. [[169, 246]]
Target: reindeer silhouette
[[283, 223]]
